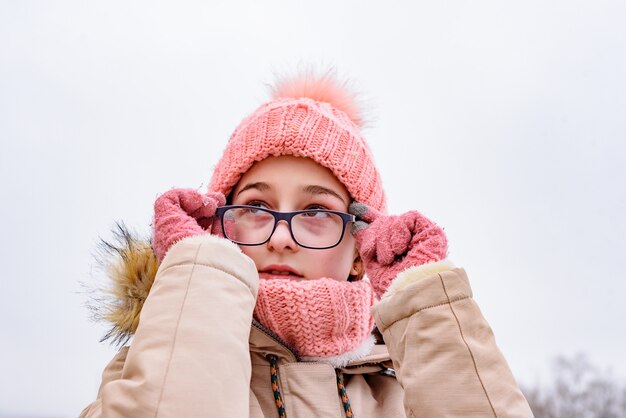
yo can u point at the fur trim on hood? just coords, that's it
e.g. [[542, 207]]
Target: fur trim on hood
[[131, 266]]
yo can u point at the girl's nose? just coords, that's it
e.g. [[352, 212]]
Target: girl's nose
[[281, 239]]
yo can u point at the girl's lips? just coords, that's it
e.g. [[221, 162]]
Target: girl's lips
[[280, 271], [265, 275]]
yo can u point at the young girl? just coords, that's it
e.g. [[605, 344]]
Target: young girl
[[257, 305]]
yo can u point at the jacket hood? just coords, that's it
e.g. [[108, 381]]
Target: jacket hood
[[131, 266]]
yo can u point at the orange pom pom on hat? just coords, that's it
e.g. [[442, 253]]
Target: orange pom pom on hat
[[309, 116]]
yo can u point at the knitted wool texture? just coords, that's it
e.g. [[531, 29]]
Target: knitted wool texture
[[181, 213], [392, 244], [304, 125], [317, 318]]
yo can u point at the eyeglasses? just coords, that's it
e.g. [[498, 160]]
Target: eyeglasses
[[317, 229]]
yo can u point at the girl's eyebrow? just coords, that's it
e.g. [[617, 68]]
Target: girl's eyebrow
[[260, 186], [317, 189]]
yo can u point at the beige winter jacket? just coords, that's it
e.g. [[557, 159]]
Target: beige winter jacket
[[194, 353]]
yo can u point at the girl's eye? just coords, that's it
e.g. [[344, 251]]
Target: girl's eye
[[257, 204], [315, 207], [319, 215], [315, 214]]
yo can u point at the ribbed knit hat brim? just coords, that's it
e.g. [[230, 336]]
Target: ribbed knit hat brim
[[303, 127]]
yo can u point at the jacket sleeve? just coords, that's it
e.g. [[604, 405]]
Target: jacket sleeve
[[443, 349], [189, 356]]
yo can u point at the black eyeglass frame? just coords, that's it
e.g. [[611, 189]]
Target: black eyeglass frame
[[287, 217]]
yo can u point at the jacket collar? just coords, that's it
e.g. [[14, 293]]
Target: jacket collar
[[264, 342]]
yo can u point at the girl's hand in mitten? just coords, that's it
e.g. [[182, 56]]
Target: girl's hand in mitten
[[389, 245], [181, 213]]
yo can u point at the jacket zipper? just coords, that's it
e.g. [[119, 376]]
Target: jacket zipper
[[386, 371], [274, 337]]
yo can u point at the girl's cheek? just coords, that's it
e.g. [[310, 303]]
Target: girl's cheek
[[335, 265]]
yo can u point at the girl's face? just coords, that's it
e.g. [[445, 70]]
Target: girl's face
[[286, 184]]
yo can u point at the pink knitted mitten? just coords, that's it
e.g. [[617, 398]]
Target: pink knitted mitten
[[181, 213], [389, 245]]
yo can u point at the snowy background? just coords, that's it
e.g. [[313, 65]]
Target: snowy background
[[503, 122]]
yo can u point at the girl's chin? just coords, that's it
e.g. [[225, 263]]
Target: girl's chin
[[280, 276]]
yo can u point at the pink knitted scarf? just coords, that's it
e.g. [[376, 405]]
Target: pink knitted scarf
[[318, 318]]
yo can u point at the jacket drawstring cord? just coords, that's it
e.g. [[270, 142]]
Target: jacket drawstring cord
[[343, 394], [274, 379], [279, 399]]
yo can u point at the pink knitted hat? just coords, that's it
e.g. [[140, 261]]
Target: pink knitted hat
[[309, 116]]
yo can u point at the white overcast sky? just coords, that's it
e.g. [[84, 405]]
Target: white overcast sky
[[503, 122]]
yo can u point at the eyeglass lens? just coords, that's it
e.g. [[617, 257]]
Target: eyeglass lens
[[310, 229]]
